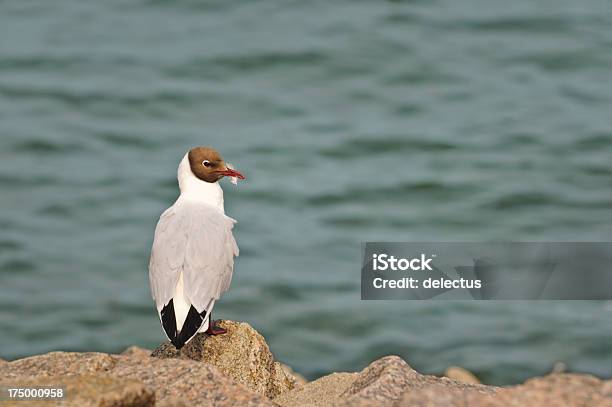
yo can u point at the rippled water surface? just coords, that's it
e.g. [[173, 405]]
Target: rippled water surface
[[353, 120]]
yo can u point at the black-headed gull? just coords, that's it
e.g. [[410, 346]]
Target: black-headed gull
[[192, 259]]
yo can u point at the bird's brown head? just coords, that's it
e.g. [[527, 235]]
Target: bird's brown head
[[206, 164]]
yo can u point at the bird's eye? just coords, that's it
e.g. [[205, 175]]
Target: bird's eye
[[206, 163]]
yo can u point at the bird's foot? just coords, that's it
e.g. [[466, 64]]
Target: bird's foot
[[215, 329]]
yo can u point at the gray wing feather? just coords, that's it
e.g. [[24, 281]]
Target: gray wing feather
[[195, 239]]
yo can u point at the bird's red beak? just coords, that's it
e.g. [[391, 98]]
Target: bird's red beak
[[231, 173]]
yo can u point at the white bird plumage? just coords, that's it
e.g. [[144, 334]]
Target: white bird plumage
[[192, 258]]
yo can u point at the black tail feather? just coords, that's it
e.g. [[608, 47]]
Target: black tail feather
[[168, 321], [192, 323]]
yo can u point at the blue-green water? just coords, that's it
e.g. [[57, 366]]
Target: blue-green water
[[353, 121]]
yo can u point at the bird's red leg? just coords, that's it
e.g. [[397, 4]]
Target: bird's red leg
[[214, 328]]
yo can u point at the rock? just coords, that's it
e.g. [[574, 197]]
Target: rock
[[391, 382], [298, 378], [136, 352], [241, 353], [450, 394], [174, 382], [89, 391], [559, 390], [172, 402], [380, 384], [562, 389], [59, 364], [237, 369], [461, 375], [384, 382], [319, 392], [559, 367], [186, 382]]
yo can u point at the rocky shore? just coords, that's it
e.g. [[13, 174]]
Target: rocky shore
[[238, 369]]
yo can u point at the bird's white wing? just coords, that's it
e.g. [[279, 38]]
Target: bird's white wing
[[196, 239]]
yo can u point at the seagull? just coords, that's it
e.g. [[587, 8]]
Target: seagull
[[192, 258]]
